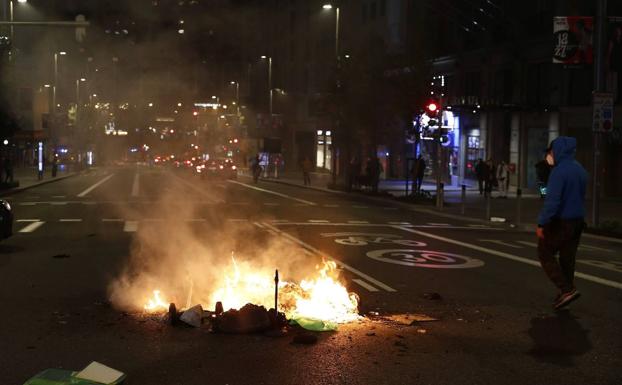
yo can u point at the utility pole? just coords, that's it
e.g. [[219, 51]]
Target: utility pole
[[599, 86]]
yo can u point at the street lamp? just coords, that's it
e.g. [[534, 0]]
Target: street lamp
[[269, 78], [338, 84], [11, 16]]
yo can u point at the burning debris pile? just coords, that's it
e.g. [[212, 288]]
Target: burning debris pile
[[240, 305]]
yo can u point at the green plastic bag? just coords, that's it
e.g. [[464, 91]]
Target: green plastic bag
[[58, 377], [315, 325]]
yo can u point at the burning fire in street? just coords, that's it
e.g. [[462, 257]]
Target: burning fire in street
[[321, 297]]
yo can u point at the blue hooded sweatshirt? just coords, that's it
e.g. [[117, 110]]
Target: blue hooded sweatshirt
[[565, 190]]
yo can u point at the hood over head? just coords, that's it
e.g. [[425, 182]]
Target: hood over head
[[564, 147]]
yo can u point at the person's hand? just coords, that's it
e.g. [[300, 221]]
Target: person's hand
[[540, 232]]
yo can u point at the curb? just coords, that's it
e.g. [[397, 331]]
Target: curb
[[18, 190]]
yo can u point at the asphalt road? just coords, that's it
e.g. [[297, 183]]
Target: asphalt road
[[74, 237]]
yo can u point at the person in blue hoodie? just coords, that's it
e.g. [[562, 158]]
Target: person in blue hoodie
[[562, 218]]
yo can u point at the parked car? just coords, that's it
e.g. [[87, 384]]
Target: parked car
[[6, 219]]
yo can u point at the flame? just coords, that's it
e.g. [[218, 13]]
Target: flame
[[321, 298], [156, 303]]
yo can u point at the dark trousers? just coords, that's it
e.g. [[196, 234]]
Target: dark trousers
[[560, 236], [306, 177], [480, 181], [418, 183]]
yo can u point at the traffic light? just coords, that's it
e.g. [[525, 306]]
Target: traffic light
[[432, 107]]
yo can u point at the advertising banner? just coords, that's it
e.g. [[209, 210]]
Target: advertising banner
[[573, 40]]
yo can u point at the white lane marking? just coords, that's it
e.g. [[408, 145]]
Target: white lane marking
[[474, 225], [364, 284], [333, 206], [358, 222], [27, 220], [455, 227], [96, 185], [59, 196], [279, 221], [130, 226], [136, 185], [499, 242], [438, 224], [318, 221], [587, 277], [32, 227], [272, 192], [58, 203], [71, 220], [198, 190], [399, 223], [112, 220], [258, 225], [28, 203], [601, 238], [581, 247], [611, 265], [313, 251]]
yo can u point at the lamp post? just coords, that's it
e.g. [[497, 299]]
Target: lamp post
[[269, 79], [11, 18], [327, 7], [54, 105]]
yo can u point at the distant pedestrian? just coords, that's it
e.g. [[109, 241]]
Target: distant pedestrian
[[256, 168], [374, 168], [8, 170], [503, 179], [482, 171], [561, 220], [54, 166], [543, 170], [306, 171], [354, 173], [418, 171]]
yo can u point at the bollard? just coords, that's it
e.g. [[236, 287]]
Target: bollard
[[441, 195], [488, 206], [519, 194], [463, 208]]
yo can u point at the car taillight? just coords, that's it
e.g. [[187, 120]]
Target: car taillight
[[234, 168], [221, 166]]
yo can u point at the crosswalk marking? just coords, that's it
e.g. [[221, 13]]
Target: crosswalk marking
[[27, 220], [318, 221], [32, 227], [130, 226], [71, 220]]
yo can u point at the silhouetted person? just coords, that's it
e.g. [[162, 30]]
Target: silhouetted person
[[8, 170], [482, 172], [417, 172], [306, 171], [374, 170]]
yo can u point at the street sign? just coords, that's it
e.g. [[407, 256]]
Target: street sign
[[602, 118]]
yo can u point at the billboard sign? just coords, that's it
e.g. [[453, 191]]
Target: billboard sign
[[573, 40]]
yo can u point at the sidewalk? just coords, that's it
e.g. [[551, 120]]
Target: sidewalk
[[474, 206], [28, 178]]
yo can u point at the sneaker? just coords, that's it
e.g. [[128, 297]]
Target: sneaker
[[566, 298]]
